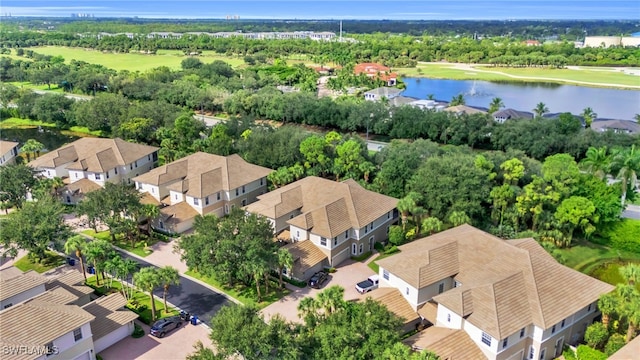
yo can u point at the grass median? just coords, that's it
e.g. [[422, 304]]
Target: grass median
[[50, 261], [139, 247]]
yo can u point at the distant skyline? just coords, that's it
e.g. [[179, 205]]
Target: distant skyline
[[333, 9]]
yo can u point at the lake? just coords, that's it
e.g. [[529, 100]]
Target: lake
[[50, 138], [607, 103]]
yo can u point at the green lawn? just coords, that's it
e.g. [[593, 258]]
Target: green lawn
[[52, 260], [18, 123], [28, 85], [595, 76], [246, 295], [610, 273], [586, 256], [139, 248], [81, 131], [374, 266], [140, 297]]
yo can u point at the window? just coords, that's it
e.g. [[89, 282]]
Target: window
[[77, 334], [323, 241], [149, 157], [115, 170], [486, 338], [48, 173], [562, 324], [521, 333], [206, 200], [354, 249], [553, 329], [389, 215], [68, 199], [361, 248], [543, 352], [196, 201], [532, 352], [98, 177], [8, 305], [243, 189], [218, 196], [385, 274], [243, 202], [505, 342], [297, 233], [457, 284], [448, 317], [261, 181], [387, 229], [107, 174], [176, 196], [136, 163], [589, 308], [77, 175], [237, 192], [130, 166], [335, 241], [407, 291], [346, 234], [153, 190], [441, 288]]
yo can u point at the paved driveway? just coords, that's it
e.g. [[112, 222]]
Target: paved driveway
[[175, 345], [347, 276]]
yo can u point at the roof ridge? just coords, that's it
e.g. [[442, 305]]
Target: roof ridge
[[537, 302]]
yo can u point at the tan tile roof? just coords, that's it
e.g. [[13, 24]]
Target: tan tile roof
[[148, 199], [464, 109], [5, 146], [57, 295], [395, 302], [447, 343], [12, 283], [327, 207], [83, 186], [36, 322], [109, 313], [72, 281], [203, 174], [94, 154], [505, 284], [429, 311], [178, 213], [305, 255]]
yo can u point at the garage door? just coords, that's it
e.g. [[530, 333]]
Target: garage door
[[84, 356], [112, 338]]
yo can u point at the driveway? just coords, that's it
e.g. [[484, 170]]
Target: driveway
[[347, 276], [175, 345]]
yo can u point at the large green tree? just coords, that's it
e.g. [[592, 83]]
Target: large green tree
[[76, 244], [15, 182], [168, 276], [148, 279]]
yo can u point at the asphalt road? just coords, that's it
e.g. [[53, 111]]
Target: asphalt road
[[190, 296], [632, 212]]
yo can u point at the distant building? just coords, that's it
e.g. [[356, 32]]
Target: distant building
[[617, 126], [506, 114], [429, 104], [608, 41], [382, 92], [377, 71], [532, 42], [464, 109], [8, 152]]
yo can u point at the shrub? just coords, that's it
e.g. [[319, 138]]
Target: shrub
[[391, 250], [294, 282], [135, 306], [138, 332], [396, 235], [378, 246], [596, 335], [616, 341], [624, 235], [586, 353]]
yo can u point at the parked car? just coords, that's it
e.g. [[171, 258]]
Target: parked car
[[370, 284], [161, 327], [318, 279]]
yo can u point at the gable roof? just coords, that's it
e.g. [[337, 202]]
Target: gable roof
[[395, 302], [305, 255], [82, 186], [14, 282], [388, 92], [203, 174], [370, 68], [512, 114], [505, 285], [178, 213], [464, 109], [72, 281], [446, 343], [94, 154], [5, 146], [109, 313], [327, 208], [57, 295], [625, 125]]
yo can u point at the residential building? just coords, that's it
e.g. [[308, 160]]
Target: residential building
[[52, 325], [401, 100], [508, 299], [464, 109], [8, 152], [380, 93], [617, 126], [503, 115], [377, 71], [608, 41], [342, 219], [16, 286], [201, 184], [94, 161]]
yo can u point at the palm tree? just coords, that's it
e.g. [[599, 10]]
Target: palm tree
[[431, 225], [77, 244], [97, 252], [540, 109], [631, 310], [285, 260], [112, 266], [627, 164], [307, 310], [458, 218], [431, 97], [150, 212], [406, 205], [496, 104], [588, 115], [597, 161], [631, 272], [32, 146], [607, 304], [331, 299], [417, 213], [457, 100], [168, 276], [148, 280]]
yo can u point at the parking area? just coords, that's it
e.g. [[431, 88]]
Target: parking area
[[347, 275], [175, 345]]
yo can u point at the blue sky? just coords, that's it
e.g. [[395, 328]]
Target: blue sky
[[332, 9]]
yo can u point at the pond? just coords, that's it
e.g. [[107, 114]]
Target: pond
[[607, 103], [50, 138], [609, 272]]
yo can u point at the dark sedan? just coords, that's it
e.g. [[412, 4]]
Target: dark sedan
[[161, 327], [318, 279]]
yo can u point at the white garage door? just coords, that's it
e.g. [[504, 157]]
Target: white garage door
[[112, 338], [84, 356]]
